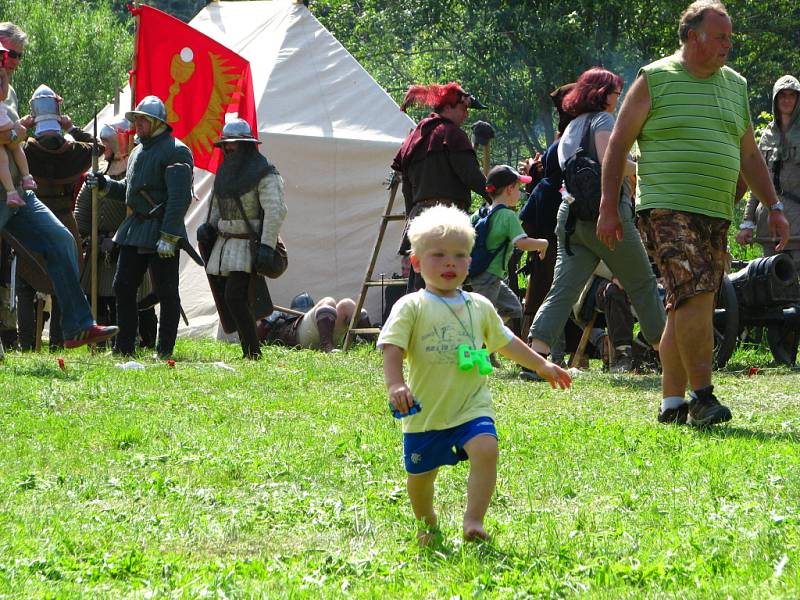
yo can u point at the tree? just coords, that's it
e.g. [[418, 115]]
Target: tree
[[511, 54], [82, 50]]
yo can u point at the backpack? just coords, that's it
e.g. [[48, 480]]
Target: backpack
[[582, 180], [482, 257]]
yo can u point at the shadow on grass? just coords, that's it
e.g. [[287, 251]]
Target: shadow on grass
[[748, 434], [649, 381]]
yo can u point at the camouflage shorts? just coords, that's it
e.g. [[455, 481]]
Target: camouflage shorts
[[690, 251]]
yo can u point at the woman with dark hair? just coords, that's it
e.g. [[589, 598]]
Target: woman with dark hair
[[593, 101]]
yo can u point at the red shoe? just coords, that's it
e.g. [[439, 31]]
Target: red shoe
[[93, 335]]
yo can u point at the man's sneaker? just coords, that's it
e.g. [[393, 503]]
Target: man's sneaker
[[92, 335], [674, 415], [706, 410]]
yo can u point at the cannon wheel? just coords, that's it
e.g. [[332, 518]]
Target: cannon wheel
[[783, 343], [726, 323]]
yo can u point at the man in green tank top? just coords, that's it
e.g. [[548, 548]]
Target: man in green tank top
[[689, 113]]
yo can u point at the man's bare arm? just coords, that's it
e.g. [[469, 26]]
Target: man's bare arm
[[755, 173]]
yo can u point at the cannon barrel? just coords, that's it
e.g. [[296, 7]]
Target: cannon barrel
[[770, 281]]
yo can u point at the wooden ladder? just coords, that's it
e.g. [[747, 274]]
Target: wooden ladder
[[369, 282]]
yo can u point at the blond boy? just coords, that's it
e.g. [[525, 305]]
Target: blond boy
[[429, 327]]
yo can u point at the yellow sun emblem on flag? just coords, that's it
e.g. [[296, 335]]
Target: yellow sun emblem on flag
[[202, 136]]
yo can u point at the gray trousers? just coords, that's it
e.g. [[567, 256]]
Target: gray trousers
[[628, 261]]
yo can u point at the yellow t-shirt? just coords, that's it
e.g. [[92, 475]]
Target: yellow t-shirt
[[429, 328]]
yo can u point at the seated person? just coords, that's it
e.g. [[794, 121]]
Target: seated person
[[604, 293], [322, 327]]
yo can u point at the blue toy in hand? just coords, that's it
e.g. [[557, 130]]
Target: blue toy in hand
[[415, 408], [469, 357]]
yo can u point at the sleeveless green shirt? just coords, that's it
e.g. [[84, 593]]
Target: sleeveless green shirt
[[690, 142]]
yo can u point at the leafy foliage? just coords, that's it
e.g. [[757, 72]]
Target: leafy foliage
[[82, 50], [511, 54]]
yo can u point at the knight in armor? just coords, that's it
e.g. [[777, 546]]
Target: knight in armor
[[247, 205], [58, 155], [157, 189], [115, 136]]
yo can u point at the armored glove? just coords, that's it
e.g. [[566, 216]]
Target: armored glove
[[96, 180], [165, 248], [206, 234], [263, 259]]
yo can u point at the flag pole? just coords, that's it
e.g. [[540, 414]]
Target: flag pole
[[135, 54]]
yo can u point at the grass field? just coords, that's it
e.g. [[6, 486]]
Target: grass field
[[284, 478]]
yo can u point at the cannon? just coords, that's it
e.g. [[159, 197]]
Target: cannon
[[763, 293]]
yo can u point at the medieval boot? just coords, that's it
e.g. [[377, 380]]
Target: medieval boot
[[14, 200], [28, 182], [326, 320]]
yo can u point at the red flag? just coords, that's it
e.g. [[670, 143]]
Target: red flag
[[199, 80]]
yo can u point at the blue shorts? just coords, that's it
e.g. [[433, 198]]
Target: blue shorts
[[428, 450]]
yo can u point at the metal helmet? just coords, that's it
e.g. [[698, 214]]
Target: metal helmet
[[149, 106], [46, 110], [237, 130], [302, 302], [115, 136]]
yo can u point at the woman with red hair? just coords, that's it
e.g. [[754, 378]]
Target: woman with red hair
[[593, 101], [437, 160]]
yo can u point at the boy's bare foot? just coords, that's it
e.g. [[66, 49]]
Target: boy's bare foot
[[474, 531], [425, 537]]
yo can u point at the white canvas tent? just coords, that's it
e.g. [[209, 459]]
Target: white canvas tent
[[331, 130]]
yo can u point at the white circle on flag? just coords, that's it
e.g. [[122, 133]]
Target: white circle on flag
[[187, 55]]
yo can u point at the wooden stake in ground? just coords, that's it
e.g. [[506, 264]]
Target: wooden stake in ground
[[95, 208]]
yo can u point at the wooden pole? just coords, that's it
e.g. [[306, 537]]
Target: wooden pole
[[486, 158], [37, 340], [95, 209]]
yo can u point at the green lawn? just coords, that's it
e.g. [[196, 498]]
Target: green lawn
[[284, 478]]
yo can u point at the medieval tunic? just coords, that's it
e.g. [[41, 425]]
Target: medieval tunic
[[437, 161], [233, 253], [110, 214], [57, 164], [162, 166]]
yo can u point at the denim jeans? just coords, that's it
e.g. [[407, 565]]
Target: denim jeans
[[38, 229]]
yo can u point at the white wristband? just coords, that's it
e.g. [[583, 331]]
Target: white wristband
[[747, 225]]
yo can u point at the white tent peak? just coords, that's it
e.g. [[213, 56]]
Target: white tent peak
[[340, 100], [332, 132]]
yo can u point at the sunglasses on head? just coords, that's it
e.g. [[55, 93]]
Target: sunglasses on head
[[14, 54]]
